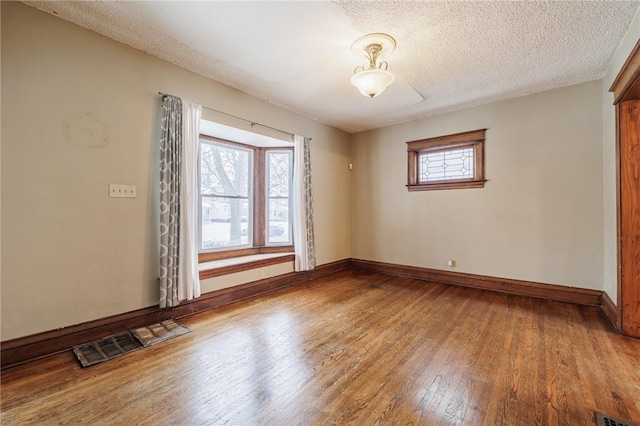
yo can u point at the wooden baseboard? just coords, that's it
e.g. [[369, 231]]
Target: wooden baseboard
[[24, 349], [29, 348], [611, 310], [580, 296]]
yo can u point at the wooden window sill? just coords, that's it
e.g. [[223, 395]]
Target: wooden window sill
[[217, 268], [205, 257], [446, 185]]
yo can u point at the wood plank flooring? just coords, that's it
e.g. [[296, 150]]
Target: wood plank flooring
[[352, 348]]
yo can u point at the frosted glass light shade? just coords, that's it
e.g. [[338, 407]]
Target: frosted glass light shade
[[372, 82]]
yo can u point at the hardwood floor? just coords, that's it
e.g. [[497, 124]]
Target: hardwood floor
[[352, 348]]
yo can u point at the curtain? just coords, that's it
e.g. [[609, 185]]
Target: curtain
[[170, 173], [303, 238], [179, 141], [188, 279]]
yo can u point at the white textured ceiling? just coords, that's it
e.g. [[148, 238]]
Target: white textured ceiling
[[449, 55]]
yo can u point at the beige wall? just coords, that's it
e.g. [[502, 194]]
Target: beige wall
[[80, 111], [609, 159], [539, 216]]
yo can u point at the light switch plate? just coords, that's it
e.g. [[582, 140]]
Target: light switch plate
[[122, 191]]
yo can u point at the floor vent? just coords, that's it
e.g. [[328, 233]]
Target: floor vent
[[602, 420]]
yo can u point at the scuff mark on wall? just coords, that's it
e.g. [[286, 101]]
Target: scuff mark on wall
[[86, 131]]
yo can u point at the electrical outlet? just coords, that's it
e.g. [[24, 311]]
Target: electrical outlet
[[451, 264], [122, 191]]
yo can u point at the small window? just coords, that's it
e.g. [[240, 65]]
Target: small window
[[447, 162]]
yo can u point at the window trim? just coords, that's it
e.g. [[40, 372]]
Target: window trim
[[210, 256], [257, 198], [474, 139]]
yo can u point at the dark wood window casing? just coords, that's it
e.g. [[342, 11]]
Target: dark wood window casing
[[258, 244], [473, 139]]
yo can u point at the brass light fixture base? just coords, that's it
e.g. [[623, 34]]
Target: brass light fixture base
[[380, 44]]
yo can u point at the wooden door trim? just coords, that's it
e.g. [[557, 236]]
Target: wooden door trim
[[626, 88], [622, 86]]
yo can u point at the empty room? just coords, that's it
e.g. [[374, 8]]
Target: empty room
[[315, 212]]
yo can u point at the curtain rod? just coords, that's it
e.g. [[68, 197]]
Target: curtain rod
[[253, 123]]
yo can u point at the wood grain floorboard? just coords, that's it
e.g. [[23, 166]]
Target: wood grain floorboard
[[357, 348]]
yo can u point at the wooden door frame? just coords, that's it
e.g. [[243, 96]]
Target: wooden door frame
[[626, 87]]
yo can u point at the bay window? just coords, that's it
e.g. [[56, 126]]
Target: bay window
[[245, 198]]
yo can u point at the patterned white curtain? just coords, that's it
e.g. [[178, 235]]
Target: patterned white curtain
[[170, 172], [303, 238], [189, 277], [179, 278]]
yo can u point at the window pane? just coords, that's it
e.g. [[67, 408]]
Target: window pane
[[279, 173], [278, 225], [225, 222], [279, 164], [224, 170], [446, 165]]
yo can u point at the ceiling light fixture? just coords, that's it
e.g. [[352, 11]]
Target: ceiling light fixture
[[372, 81]]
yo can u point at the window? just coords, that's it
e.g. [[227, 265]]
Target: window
[[447, 162], [245, 197], [279, 172], [225, 186]]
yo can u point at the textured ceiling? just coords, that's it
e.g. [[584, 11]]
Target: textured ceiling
[[449, 55]]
